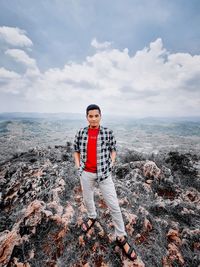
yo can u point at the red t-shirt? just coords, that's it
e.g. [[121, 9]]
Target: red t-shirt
[[91, 163]]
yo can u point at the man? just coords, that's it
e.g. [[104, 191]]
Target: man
[[95, 154]]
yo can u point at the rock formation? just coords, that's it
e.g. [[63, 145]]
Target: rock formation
[[42, 210]]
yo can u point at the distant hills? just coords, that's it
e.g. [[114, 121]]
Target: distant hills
[[35, 115], [78, 116]]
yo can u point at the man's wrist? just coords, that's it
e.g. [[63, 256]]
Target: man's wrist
[[112, 163]]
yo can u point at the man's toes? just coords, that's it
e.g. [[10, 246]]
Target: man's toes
[[132, 255], [84, 227], [90, 222]]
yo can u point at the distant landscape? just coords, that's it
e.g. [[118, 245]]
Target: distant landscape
[[22, 131], [157, 180]]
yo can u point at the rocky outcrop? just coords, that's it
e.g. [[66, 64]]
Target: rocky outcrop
[[42, 210]]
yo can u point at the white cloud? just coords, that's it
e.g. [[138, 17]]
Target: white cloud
[[6, 74], [11, 82], [15, 36], [99, 45], [21, 56], [151, 82]]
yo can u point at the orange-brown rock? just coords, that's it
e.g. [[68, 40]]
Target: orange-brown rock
[[151, 170], [8, 240], [147, 225], [174, 236], [175, 254]]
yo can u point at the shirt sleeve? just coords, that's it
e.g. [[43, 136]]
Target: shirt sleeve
[[113, 143], [76, 146]]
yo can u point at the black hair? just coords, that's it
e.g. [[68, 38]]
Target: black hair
[[92, 107]]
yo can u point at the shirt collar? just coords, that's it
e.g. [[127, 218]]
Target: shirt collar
[[100, 129]]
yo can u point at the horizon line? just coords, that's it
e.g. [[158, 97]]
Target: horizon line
[[106, 114]]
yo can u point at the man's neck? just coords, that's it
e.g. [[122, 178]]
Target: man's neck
[[94, 127]]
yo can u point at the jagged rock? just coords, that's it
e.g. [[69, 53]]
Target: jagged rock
[[186, 165], [42, 210], [151, 170], [8, 240]]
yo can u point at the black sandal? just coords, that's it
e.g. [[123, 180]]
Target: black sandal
[[87, 225], [131, 249]]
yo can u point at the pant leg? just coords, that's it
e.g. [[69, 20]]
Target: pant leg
[[87, 180], [107, 188]]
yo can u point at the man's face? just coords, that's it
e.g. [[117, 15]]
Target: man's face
[[94, 118]]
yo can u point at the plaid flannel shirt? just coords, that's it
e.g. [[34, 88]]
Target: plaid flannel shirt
[[105, 144]]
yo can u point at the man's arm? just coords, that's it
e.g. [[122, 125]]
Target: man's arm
[[76, 150], [77, 159], [113, 148], [113, 156]]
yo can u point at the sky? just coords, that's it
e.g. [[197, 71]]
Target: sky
[[132, 58]]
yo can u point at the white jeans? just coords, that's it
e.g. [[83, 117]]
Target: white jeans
[[108, 191]]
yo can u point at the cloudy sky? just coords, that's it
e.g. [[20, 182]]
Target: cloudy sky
[[131, 57]]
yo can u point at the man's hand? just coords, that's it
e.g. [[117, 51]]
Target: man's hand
[[112, 164], [113, 158], [77, 170]]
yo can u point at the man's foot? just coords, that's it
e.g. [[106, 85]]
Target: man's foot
[[128, 250], [86, 225]]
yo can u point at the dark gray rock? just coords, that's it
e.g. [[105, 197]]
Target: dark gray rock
[[42, 208]]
